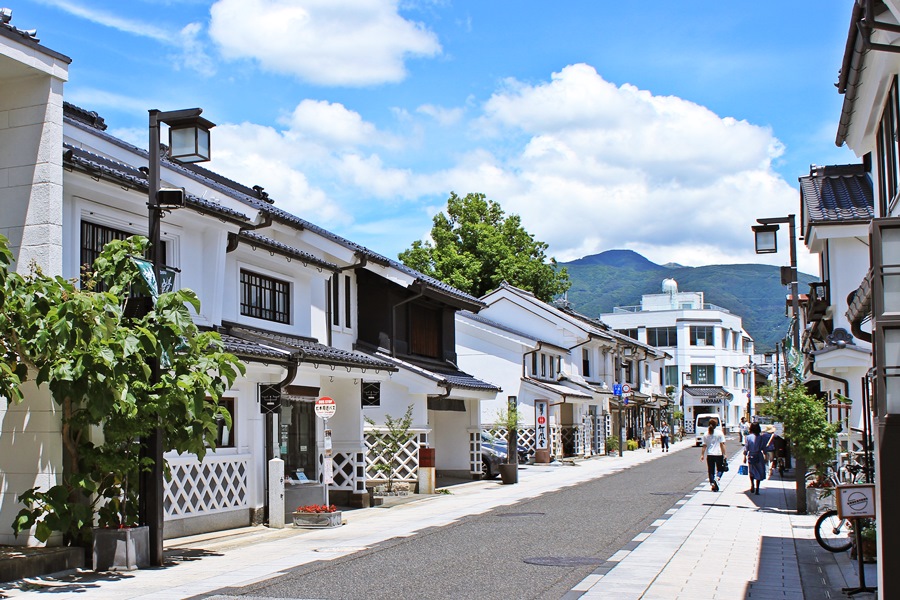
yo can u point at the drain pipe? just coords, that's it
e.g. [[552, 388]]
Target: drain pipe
[[525, 357], [394, 314]]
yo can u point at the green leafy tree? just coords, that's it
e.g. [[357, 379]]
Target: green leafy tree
[[805, 422], [475, 247], [390, 441], [95, 359]]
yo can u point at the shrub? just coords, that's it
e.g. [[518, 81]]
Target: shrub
[[631, 445]]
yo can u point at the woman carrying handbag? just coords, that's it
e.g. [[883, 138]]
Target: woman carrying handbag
[[755, 457]]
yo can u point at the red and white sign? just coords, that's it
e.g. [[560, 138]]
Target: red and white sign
[[325, 407], [626, 389]]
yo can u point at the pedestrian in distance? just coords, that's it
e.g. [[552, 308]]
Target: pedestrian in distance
[[769, 435], [743, 429], [648, 436], [713, 450], [664, 437], [755, 457]]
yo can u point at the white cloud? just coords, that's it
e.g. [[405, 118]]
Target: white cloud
[[588, 165], [328, 42], [330, 124]]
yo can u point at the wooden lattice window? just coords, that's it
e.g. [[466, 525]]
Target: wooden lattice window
[[265, 297]]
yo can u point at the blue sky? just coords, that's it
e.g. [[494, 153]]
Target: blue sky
[[663, 127]]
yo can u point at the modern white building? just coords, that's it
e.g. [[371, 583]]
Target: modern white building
[[709, 352]]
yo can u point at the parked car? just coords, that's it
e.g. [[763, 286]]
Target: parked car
[[493, 454]]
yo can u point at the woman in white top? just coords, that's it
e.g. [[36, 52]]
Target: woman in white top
[[714, 451]]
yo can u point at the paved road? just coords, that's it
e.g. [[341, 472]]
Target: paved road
[[539, 548]]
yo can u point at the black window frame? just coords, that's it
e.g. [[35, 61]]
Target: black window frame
[[273, 310], [671, 335]]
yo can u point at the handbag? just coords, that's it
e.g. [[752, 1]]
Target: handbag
[[725, 468], [742, 470]]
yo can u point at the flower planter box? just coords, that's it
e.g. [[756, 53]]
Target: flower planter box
[[317, 520], [123, 549]]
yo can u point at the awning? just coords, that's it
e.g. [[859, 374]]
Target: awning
[[562, 391], [708, 394]]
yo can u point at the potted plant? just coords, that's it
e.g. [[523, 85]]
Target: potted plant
[[508, 419], [819, 491], [317, 516], [612, 445]]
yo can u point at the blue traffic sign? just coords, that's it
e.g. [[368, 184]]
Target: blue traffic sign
[[617, 389]]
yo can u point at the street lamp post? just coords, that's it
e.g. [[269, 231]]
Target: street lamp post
[[766, 242], [188, 142]]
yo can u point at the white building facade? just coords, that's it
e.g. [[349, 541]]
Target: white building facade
[[708, 368]]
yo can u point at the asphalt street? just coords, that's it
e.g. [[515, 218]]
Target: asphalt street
[[539, 548]]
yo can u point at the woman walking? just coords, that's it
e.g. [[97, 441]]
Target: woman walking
[[755, 457], [648, 436], [664, 436], [714, 451]]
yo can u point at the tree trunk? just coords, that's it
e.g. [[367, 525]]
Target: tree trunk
[[800, 481]]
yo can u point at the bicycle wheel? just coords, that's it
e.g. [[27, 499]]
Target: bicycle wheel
[[831, 532]]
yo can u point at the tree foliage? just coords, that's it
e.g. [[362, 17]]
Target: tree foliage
[[475, 247], [96, 359], [805, 422]]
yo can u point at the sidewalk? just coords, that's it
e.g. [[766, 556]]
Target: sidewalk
[[708, 546], [728, 545], [203, 564]]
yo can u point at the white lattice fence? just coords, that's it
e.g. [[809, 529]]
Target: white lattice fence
[[405, 464], [525, 439], [215, 485]]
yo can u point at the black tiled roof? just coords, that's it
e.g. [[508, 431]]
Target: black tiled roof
[[260, 201], [305, 349], [447, 376], [254, 239], [131, 176], [837, 193], [247, 349], [88, 117]]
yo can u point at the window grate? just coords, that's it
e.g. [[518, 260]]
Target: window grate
[[265, 297]]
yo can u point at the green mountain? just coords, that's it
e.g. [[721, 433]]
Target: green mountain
[[620, 277]]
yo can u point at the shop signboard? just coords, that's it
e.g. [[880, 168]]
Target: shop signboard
[[541, 425], [856, 501]]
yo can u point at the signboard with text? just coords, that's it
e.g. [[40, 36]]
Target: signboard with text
[[856, 501], [325, 407], [541, 425]]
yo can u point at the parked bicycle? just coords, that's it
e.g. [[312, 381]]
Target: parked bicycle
[[833, 532]]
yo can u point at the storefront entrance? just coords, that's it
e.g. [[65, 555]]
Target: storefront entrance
[[297, 438]]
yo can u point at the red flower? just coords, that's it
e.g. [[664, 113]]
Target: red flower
[[317, 508]]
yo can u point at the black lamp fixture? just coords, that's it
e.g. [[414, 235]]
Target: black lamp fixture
[[188, 134], [766, 239]]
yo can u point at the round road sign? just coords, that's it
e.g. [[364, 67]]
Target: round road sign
[[626, 388], [325, 407]]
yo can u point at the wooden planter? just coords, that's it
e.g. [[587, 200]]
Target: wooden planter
[[509, 474], [123, 549], [317, 520]]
